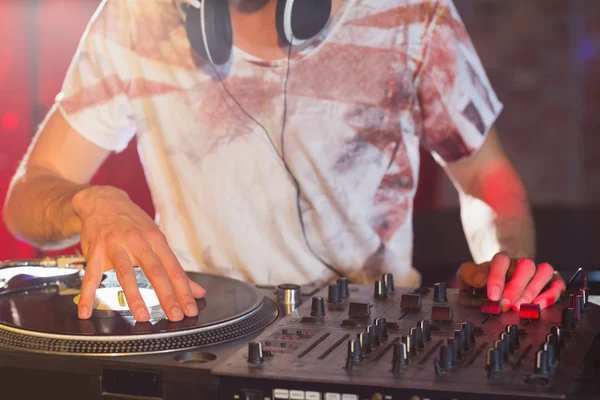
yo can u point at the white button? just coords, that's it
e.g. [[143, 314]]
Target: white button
[[296, 395], [281, 394], [332, 396], [346, 396], [312, 396]]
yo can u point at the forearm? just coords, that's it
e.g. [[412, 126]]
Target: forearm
[[496, 215], [39, 208]]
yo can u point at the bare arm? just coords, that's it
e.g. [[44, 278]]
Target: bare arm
[[59, 164], [499, 229], [495, 210], [51, 204]]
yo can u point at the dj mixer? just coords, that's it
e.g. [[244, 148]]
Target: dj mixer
[[341, 342]]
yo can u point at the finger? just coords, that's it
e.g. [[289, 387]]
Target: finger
[[536, 285], [197, 290], [127, 278], [472, 274], [177, 276], [91, 280], [524, 271], [497, 275], [550, 296], [159, 278]]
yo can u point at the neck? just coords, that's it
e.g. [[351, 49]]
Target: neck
[[254, 31]]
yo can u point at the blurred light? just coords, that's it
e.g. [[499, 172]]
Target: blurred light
[[587, 49], [10, 121]]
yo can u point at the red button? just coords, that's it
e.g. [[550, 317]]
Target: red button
[[529, 311], [490, 307]]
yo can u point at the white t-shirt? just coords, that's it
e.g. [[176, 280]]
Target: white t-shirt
[[383, 78]]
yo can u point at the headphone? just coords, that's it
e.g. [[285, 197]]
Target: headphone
[[208, 24]]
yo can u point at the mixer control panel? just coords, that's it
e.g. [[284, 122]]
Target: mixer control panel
[[385, 343]]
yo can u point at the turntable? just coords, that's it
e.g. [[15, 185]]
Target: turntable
[[341, 342]]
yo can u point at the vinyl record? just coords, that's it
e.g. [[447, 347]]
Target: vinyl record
[[47, 315]]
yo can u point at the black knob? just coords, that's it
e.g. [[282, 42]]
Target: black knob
[[381, 325], [503, 347], [417, 332], [470, 329], [447, 358], [585, 296], [349, 356], [552, 338], [513, 331], [388, 280], [542, 366], [550, 348], [365, 342], [567, 320], [424, 325], [506, 337], [334, 294], [494, 361], [439, 293], [318, 307], [461, 336], [577, 305], [355, 351], [400, 356], [560, 333], [255, 353], [456, 350], [343, 283], [380, 290], [373, 335], [411, 347]]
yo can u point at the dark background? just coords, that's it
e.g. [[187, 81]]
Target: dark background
[[542, 56]]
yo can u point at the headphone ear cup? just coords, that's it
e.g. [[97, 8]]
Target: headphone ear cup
[[209, 30], [301, 19]]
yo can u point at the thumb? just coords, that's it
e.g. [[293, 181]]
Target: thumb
[[471, 274]]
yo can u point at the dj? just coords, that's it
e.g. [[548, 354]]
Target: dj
[[280, 141]]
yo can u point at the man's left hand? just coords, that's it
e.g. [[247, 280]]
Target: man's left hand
[[514, 281]]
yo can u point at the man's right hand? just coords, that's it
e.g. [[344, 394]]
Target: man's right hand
[[117, 234]]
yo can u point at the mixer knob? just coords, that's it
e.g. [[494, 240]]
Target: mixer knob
[[411, 301], [418, 334], [359, 310], [513, 331], [461, 336], [355, 350], [255, 353], [550, 348], [447, 357], [365, 342], [317, 307], [506, 337], [530, 311], [411, 347], [381, 325], [380, 290], [456, 350], [343, 283], [441, 313], [424, 325], [577, 305], [400, 356], [469, 328], [439, 293], [552, 338], [388, 280], [560, 333], [373, 335], [334, 294], [584, 295], [494, 361], [542, 365], [501, 345], [567, 320]]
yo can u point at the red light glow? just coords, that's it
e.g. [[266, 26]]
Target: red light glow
[[10, 122]]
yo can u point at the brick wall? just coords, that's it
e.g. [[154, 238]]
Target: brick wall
[[543, 59]]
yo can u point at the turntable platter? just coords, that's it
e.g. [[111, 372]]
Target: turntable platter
[[46, 319]]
